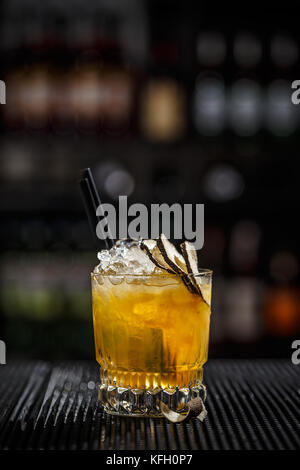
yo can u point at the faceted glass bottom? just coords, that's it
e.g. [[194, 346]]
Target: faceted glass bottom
[[146, 402]]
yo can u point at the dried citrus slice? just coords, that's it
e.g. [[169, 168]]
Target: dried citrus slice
[[176, 261], [191, 259], [151, 249]]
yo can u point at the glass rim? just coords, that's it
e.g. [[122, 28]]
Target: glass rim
[[200, 272]]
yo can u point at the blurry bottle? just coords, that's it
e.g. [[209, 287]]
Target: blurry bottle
[[211, 49], [162, 113], [247, 50], [30, 91], [242, 305], [282, 302], [13, 110], [62, 118], [86, 96], [244, 246], [282, 310], [117, 91], [243, 291]]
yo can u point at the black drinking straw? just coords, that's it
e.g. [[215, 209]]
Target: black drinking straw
[[87, 173], [91, 201]]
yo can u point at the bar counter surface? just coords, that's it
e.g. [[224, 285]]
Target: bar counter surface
[[250, 404]]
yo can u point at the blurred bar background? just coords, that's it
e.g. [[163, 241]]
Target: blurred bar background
[[166, 101]]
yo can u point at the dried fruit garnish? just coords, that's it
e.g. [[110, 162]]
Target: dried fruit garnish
[[150, 247], [191, 259], [165, 256], [176, 261], [171, 256], [195, 409], [173, 416]]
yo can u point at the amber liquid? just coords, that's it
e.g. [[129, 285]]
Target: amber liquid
[[150, 332]]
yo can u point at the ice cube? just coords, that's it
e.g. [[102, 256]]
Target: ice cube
[[104, 257], [125, 257]]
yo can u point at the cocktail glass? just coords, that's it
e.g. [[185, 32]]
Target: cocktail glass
[[151, 338]]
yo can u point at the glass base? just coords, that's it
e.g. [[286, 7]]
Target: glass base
[[146, 402]]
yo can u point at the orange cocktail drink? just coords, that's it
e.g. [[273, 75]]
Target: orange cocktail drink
[[151, 338]]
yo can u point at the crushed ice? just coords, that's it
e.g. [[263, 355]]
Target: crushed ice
[[125, 257]]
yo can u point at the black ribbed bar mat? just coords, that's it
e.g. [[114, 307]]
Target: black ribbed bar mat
[[251, 405]]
